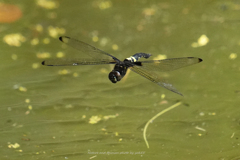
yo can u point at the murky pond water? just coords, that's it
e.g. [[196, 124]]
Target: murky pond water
[[77, 113]]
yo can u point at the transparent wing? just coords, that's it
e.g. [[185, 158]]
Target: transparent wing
[[87, 49], [169, 64], [148, 69], [97, 56], [76, 61], [154, 78]]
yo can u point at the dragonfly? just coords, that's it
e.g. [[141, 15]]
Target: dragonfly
[[148, 69]]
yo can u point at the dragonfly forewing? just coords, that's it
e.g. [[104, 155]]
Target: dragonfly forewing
[[86, 48]]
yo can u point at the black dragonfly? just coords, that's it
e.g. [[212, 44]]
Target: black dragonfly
[[148, 69]]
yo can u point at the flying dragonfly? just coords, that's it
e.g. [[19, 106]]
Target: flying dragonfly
[[148, 69]]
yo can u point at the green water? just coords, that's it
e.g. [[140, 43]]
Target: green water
[[45, 115]]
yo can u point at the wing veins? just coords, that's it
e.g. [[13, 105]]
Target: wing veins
[[75, 62], [86, 48], [154, 78], [170, 64]]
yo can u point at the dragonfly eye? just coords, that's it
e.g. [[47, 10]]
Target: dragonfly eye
[[114, 76]]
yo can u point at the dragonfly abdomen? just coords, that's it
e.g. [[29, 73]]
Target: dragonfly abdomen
[[137, 56]]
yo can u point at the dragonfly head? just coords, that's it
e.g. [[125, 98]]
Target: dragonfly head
[[114, 76]]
